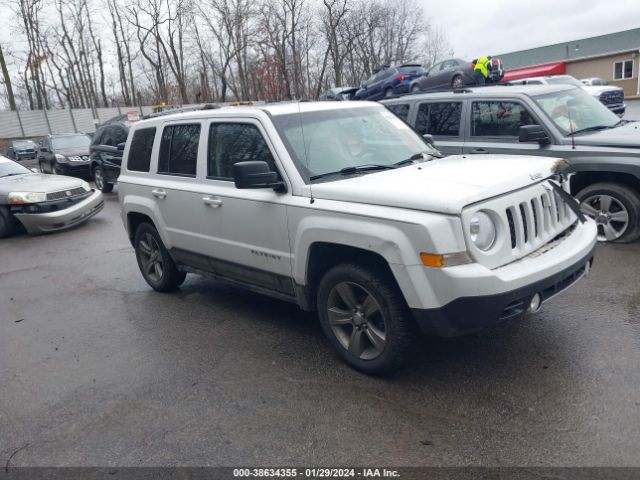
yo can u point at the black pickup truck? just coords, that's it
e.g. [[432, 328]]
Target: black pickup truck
[[550, 120]]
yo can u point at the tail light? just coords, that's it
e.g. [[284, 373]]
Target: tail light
[[400, 77]]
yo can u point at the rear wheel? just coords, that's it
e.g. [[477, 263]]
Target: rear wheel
[[365, 318], [41, 166], [457, 82], [615, 209], [101, 183], [414, 88], [156, 265], [388, 93]]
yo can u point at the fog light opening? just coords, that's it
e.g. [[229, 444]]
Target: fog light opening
[[535, 304]]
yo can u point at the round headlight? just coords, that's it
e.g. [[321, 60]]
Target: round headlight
[[60, 158], [482, 231]]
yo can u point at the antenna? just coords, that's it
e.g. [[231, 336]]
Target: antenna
[[304, 146], [573, 140]]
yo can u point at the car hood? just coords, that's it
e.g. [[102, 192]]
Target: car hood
[[444, 185], [72, 152], [37, 182], [624, 136], [596, 90]]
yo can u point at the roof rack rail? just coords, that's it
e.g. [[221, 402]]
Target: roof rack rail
[[465, 89]]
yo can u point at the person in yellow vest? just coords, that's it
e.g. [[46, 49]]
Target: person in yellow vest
[[481, 69]]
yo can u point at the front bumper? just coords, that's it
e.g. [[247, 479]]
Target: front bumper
[[74, 168], [62, 219]]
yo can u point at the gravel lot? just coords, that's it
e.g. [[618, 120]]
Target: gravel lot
[[97, 369]]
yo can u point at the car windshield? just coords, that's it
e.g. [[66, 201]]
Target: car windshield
[[72, 141], [575, 110], [341, 139], [9, 168], [23, 144], [564, 81], [598, 82]]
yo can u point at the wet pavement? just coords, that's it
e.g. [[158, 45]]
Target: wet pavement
[[97, 369]]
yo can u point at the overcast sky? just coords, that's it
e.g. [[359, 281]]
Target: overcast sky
[[491, 27]]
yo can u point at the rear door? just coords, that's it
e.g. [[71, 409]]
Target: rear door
[[112, 160], [494, 125], [444, 120]]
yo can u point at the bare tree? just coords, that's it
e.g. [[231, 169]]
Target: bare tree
[[7, 81]]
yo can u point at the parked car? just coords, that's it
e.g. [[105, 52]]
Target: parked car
[[21, 150], [545, 120], [610, 96], [338, 94], [43, 203], [64, 154], [341, 208], [106, 152], [594, 81], [388, 81], [454, 73]]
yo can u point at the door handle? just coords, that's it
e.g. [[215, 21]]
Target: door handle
[[158, 193], [213, 202], [479, 150]]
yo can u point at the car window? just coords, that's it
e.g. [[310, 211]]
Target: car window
[[440, 118], [447, 65], [230, 143], [401, 110], [534, 82], [498, 119], [179, 150], [119, 134], [140, 150], [97, 137], [108, 137]]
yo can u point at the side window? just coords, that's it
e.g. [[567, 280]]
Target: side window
[[140, 150], [107, 137], [96, 136], [498, 119], [119, 135], [441, 118], [230, 143], [179, 150], [401, 110]]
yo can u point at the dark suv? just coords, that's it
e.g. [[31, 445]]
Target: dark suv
[[547, 120], [66, 154], [106, 153], [21, 150], [388, 81]]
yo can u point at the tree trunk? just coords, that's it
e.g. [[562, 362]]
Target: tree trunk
[[7, 81]]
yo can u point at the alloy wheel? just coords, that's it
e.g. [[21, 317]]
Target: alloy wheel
[[457, 82], [610, 215], [151, 257], [357, 320], [98, 178]]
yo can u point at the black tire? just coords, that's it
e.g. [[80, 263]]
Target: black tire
[[150, 251], [388, 93], [457, 82], [623, 198], [101, 183], [41, 166], [414, 88], [7, 223], [391, 318]]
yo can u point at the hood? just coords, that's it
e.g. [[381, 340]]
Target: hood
[[624, 136], [444, 185], [37, 182], [596, 90], [72, 152]]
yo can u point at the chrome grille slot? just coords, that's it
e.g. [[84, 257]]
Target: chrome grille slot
[[512, 228], [525, 224], [534, 209], [63, 194]]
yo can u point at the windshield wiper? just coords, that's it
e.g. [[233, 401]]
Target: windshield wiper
[[417, 156], [355, 169], [590, 129]]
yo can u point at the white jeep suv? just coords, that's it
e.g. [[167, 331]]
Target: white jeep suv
[[342, 208]]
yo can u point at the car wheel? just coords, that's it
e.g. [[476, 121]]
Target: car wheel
[[457, 82], [414, 88], [7, 224], [54, 169], [388, 93], [41, 166], [155, 263], [101, 184], [616, 210], [365, 318]]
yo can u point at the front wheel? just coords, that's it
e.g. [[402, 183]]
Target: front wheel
[[388, 93], [615, 209], [101, 183], [365, 318], [457, 82], [156, 265]]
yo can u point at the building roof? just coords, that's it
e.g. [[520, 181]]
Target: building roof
[[574, 49]]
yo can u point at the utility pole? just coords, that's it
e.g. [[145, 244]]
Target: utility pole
[[7, 81]]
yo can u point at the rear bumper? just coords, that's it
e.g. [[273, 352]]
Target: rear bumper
[[62, 219], [470, 314]]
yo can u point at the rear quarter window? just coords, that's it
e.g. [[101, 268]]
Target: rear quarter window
[[140, 150]]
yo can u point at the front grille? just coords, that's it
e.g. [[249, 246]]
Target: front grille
[[65, 194], [82, 158], [614, 97]]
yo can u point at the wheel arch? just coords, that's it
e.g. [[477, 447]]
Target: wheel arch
[[583, 178]]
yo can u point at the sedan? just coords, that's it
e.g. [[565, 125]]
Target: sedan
[[43, 203]]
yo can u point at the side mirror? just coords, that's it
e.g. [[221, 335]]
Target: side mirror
[[120, 146], [256, 174], [533, 133], [429, 139]]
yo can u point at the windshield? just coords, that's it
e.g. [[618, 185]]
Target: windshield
[[23, 144], [574, 110], [8, 168], [340, 138], [74, 141], [564, 81]]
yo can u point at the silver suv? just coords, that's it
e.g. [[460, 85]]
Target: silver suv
[[342, 208]]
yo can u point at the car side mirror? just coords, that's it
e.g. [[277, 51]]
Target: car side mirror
[[256, 174], [120, 146], [533, 133], [429, 139]]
